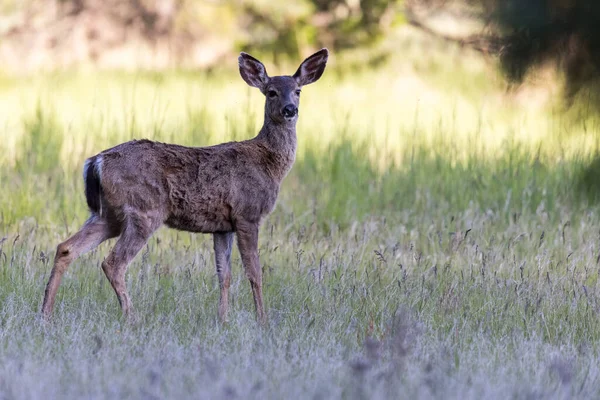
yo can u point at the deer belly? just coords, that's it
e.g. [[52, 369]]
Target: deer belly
[[205, 222]]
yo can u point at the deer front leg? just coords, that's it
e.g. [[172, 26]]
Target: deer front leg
[[222, 245], [247, 235]]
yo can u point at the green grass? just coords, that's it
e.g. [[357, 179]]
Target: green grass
[[425, 244]]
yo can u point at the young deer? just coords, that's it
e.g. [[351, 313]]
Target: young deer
[[134, 188]]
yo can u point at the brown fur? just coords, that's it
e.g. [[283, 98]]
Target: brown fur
[[134, 188]]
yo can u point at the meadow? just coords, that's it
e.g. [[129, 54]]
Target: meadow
[[438, 237]]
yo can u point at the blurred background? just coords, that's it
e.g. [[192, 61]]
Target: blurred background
[[156, 34], [432, 103]]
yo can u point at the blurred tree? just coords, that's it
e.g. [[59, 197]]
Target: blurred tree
[[529, 33], [170, 32], [290, 28]]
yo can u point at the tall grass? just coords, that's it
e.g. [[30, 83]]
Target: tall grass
[[422, 246]]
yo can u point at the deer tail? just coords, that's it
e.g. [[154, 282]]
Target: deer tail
[[91, 180]]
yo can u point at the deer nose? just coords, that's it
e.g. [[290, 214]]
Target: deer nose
[[289, 111]]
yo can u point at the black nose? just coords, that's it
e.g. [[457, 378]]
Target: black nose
[[289, 111]]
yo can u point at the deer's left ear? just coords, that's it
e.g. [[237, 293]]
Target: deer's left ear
[[312, 68]]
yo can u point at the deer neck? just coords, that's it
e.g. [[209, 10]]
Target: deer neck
[[279, 140]]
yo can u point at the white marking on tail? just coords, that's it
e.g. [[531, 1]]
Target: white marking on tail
[[86, 166], [99, 167]]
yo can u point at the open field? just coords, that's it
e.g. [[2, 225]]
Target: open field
[[436, 238]]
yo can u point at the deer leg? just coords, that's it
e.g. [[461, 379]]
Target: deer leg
[[247, 235], [135, 234], [95, 231], [222, 246]]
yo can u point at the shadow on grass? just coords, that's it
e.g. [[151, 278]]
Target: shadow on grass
[[345, 186], [588, 181]]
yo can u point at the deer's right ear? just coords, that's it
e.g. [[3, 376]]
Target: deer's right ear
[[253, 71]]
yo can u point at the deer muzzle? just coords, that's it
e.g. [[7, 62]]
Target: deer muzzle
[[289, 111]]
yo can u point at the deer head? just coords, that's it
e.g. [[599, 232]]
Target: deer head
[[282, 92]]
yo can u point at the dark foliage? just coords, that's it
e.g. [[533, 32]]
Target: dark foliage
[[565, 32], [526, 34]]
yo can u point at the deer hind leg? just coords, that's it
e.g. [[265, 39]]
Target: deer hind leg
[[222, 245], [136, 232], [95, 231], [247, 235]]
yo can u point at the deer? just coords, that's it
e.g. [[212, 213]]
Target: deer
[[227, 189]]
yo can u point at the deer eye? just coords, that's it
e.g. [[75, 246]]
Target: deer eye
[[272, 93], [298, 92]]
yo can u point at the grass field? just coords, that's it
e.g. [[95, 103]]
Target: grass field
[[433, 240]]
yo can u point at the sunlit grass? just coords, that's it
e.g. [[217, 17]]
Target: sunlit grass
[[387, 111]]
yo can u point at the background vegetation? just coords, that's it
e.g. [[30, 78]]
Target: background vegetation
[[437, 237]]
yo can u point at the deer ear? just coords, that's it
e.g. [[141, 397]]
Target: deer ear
[[312, 68], [253, 71]]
